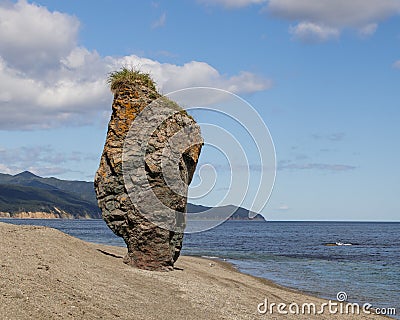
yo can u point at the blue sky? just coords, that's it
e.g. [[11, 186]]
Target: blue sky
[[323, 75]]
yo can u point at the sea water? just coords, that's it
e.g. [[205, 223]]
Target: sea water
[[293, 254]]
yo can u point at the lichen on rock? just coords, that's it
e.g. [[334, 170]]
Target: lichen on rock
[[149, 158]]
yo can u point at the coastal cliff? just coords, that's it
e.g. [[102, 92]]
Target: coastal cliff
[[56, 214]]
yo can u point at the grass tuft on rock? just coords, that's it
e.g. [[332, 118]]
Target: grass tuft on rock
[[129, 76]]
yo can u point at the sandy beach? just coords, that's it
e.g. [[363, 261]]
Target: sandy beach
[[46, 274]]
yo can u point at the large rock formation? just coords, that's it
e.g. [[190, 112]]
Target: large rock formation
[[137, 202]]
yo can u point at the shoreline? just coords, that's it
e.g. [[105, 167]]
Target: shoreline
[[46, 274]]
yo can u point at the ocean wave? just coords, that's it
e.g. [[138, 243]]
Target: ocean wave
[[211, 257], [338, 244], [343, 244]]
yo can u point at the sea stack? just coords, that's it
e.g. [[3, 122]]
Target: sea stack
[[149, 158]]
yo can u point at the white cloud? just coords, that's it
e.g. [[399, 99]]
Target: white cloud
[[6, 169], [67, 83], [287, 164], [336, 136], [44, 101], [368, 29], [160, 22], [40, 171], [232, 3], [327, 18], [283, 207], [322, 20], [32, 37], [338, 13], [311, 32], [172, 77], [397, 64], [41, 160]]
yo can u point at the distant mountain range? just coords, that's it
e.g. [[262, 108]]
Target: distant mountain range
[[26, 195], [31, 196], [196, 212]]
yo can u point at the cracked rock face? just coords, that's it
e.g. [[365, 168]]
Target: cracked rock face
[[148, 162]]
